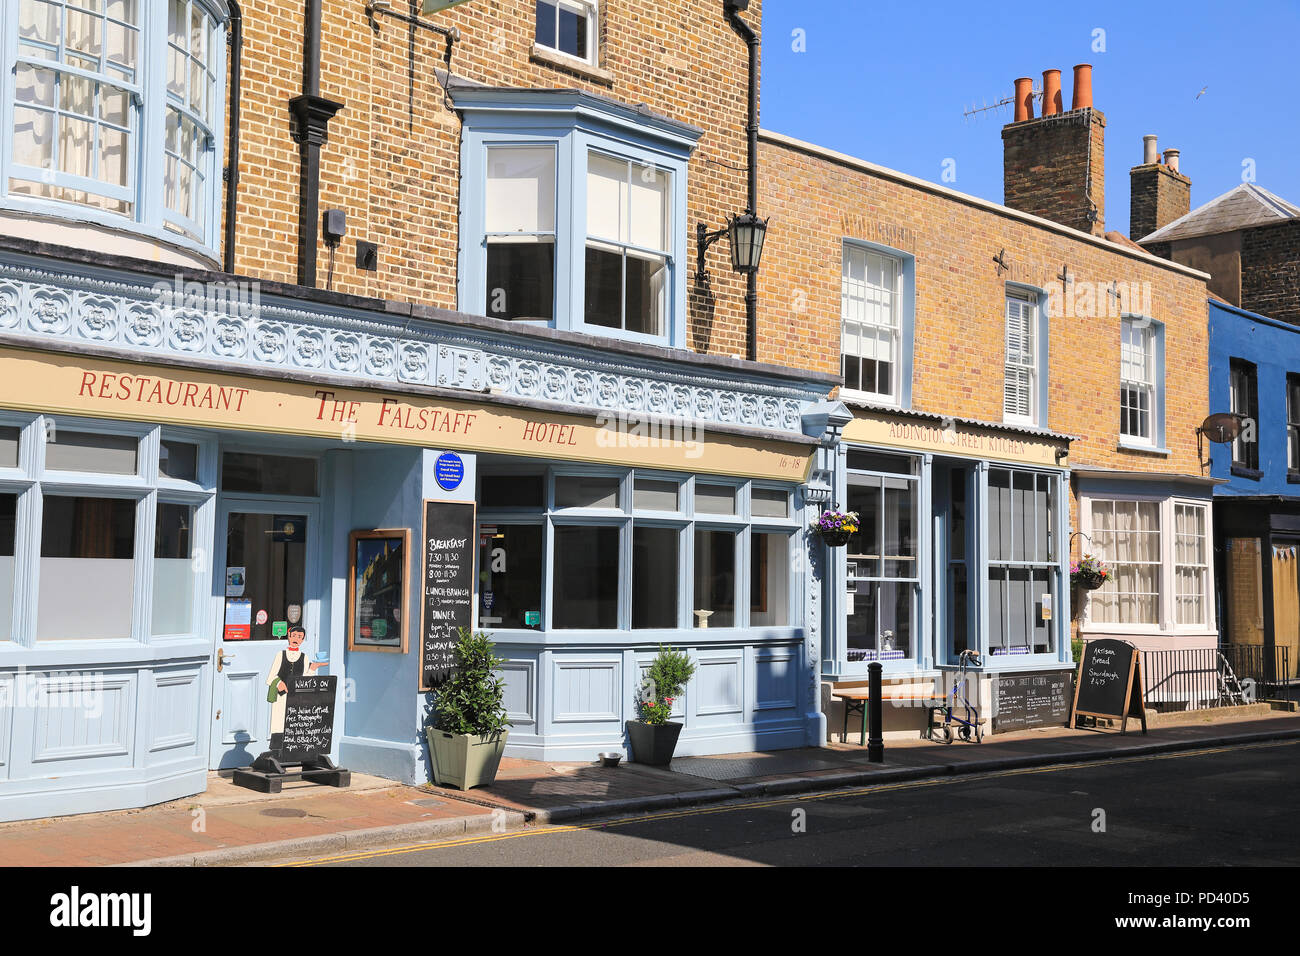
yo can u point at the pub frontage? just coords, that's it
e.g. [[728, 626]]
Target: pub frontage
[[186, 476], [962, 545]]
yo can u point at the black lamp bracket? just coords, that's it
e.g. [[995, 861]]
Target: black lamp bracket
[[703, 239]]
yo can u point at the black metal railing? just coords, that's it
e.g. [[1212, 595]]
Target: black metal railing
[[1215, 677]]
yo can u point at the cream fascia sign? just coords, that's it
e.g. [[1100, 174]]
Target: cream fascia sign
[[104, 388], [955, 438]]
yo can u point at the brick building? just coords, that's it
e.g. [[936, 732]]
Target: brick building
[[1018, 390], [296, 293]]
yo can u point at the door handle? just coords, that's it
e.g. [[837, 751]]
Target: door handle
[[222, 658]]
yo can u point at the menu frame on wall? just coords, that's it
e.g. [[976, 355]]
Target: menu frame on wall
[[467, 570], [355, 640]]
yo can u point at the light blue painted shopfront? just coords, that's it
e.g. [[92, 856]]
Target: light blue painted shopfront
[[122, 684]]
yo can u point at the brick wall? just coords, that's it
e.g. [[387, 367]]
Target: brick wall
[[392, 159], [1157, 196], [1270, 271], [1054, 167]]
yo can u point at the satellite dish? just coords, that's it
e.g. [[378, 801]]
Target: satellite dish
[[1222, 427]]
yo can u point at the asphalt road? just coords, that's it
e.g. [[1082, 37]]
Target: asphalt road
[[1232, 806]]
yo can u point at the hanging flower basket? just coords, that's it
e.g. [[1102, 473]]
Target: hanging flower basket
[[836, 527], [1089, 573]]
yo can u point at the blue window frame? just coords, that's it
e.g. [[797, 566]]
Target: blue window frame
[[573, 213], [103, 102]]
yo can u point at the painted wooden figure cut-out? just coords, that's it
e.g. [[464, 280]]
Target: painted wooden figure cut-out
[[288, 664]]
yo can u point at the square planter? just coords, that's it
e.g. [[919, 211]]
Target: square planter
[[465, 760], [653, 744]]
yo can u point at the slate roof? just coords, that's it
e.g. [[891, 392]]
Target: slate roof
[[1241, 207]]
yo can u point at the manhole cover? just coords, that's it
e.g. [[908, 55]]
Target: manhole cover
[[283, 812]]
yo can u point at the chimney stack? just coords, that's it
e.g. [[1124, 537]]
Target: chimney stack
[[1054, 166], [1158, 192]]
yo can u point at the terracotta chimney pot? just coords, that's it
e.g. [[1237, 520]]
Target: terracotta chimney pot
[[1024, 99], [1171, 159], [1082, 87], [1051, 92]]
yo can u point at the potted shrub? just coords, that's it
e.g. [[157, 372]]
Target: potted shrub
[[836, 527], [1089, 573], [653, 738], [467, 730]]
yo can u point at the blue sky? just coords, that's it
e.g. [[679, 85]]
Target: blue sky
[[888, 82]]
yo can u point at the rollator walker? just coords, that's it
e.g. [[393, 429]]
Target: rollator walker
[[963, 716]]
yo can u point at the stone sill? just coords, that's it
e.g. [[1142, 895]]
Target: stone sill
[[1143, 449], [570, 64]]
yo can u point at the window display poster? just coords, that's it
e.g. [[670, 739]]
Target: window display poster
[[378, 589], [239, 619]]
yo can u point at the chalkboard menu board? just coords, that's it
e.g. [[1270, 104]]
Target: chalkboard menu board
[[1110, 682], [1032, 700], [308, 718], [447, 602]]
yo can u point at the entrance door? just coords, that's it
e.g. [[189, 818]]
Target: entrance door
[[953, 560], [1286, 601], [267, 571]]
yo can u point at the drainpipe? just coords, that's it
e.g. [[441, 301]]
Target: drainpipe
[[732, 9], [235, 37], [312, 114]]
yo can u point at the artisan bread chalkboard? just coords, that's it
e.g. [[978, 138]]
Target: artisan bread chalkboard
[[308, 719], [1032, 700], [1110, 682], [447, 586]]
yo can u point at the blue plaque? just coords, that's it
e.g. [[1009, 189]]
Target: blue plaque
[[449, 471]]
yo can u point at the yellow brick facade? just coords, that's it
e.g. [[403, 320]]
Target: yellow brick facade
[[392, 161]]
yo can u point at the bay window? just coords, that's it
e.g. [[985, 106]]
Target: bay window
[[1158, 554], [117, 111], [573, 213]]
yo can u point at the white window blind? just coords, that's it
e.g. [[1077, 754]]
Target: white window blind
[[520, 190], [1021, 364]]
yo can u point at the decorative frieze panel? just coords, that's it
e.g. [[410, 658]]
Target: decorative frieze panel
[[236, 328]]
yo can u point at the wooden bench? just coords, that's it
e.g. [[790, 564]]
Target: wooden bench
[[855, 701]]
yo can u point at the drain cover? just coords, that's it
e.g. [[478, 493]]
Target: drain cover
[[283, 812]]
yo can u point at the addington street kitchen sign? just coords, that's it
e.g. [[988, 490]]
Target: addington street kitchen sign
[[955, 438], [104, 388]]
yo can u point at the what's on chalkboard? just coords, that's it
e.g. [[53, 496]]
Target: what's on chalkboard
[[308, 719], [1025, 701], [1110, 683], [449, 547]]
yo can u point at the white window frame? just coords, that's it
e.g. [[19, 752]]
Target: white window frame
[[1138, 375], [1166, 603], [146, 158], [892, 326], [591, 10], [1200, 568], [1018, 366]]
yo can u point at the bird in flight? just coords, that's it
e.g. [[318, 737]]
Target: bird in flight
[[1200, 94]]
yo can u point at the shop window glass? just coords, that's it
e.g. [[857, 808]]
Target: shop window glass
[[250, 473], [91, 452], [1126, 534], [9, 446], [178, 460], [654, 576], [513, 491], [715, 579], [715, 499], [173, 569], [882, 559], [510, 576], [769, 580], [581, 491], [8, 530], [87, 569], [266, 570], [1022, 555], [655, 495], [520, 232], [770, 503], [586, 575]]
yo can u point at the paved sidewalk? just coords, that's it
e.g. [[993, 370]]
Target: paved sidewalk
[[227, 824]]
